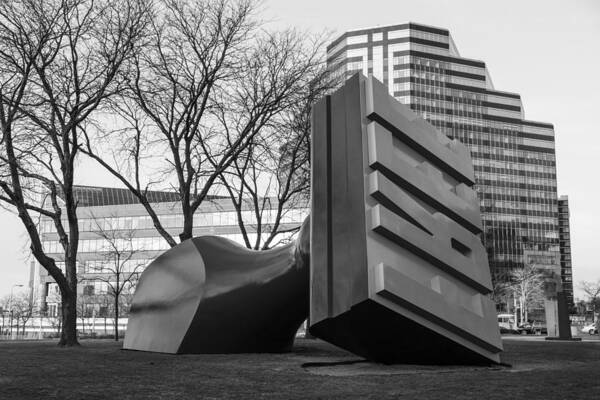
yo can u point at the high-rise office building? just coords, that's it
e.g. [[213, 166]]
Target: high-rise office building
[[514, 158], [564, 234]]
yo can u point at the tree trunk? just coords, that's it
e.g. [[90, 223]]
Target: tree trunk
[[188, 225], [68, 334], [116, 318]]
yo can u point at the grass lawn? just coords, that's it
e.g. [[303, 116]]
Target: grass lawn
[[100, 370]]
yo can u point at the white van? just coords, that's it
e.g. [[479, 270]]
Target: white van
[[507, 321]]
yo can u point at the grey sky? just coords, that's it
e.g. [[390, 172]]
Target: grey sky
[[548, 51]]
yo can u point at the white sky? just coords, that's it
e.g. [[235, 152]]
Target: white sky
[[546, 50]]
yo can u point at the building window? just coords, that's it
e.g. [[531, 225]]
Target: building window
[[88, 290]]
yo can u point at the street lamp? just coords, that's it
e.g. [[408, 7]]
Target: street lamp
[[10, 306]]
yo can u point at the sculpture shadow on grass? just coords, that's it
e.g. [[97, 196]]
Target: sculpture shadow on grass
[[211, 295]]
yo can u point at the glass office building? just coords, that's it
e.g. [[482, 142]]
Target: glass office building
[[116, 213], [564, 234], [514, 158]]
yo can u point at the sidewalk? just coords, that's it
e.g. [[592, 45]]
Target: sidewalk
[[542, 338]]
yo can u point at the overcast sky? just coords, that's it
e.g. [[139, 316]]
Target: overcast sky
[[548, 51]]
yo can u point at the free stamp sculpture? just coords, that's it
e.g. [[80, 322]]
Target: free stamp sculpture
[[397, 270], [398, 273]]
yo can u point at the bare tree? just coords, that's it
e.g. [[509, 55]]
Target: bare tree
[[21, 306], [271, 177], [194, 46], [4, 302], [527, 285], [120, 269], [502, 293], [55, 319], [59, 61], [24, 307], [592, 291], [208, 83], [104, 301], [82, 303]]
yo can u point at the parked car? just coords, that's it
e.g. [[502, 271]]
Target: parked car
[[525, 329], [590, 328], [532, 328], [505, 331]]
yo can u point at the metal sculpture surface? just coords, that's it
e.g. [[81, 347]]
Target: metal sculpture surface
[[398, 272], [210, 295]]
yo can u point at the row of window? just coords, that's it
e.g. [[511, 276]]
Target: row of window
[[357, 39], [531, 195], [362, 52], [354, 66], [462, 94], [434, 37], [459, 80], [482, 171], [547, 144], [139, 244], [108, 265], [540, 260], [513, 205], [486, 152], [513, 155], [220, 218], [441, 66], [338, 47], [399, 87], [424, 90], [503, 100], [443, 104], [429, 49], [503, 113], [516, 156], [457, 108], [400, 60], [516, 179], [94, 287], [550, 223], [435, 77], [103, 246], [538, 130], [512, 212], [501, 187], [512, 235], [516, 166]]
